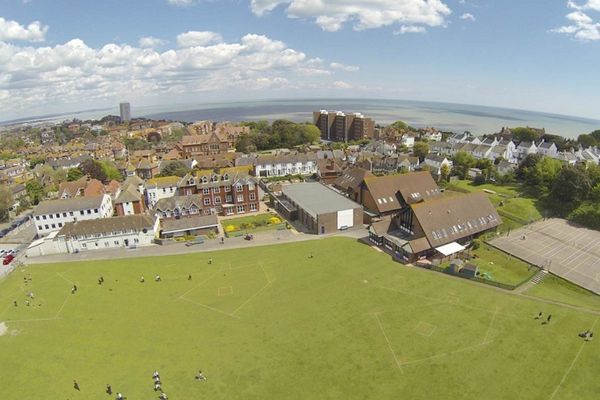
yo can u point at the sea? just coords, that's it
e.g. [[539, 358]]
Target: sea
[[444, 116]]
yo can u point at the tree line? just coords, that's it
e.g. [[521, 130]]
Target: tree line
[[279, 134]]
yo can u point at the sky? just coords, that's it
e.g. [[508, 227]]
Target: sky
[[69, 55]]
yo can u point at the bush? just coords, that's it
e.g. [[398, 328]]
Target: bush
[[274, 220], [231, 228], [479, 180], [476, 244]]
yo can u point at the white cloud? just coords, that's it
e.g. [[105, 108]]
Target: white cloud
[[332, 15], [198, 38], [468, 17], [13, 31], [74, 75], [342, 85], [582, 26], [181, 3], [149, 41], [410, 29], [343, 67]]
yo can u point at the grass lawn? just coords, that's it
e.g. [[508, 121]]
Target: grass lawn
[[272, 323], [502, 267], [558, 289], [515, 210], [259, 221]]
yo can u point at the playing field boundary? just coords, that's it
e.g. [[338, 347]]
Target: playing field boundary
[[398, 363]]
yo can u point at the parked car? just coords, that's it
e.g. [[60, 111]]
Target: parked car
[[8, 259]]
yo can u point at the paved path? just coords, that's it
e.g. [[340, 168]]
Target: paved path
[[260, 239]]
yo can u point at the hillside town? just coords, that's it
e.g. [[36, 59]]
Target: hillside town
[[121, 183]]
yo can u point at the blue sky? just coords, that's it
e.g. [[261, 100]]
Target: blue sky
[[67, 55]]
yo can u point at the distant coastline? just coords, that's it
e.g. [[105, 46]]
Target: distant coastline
[[445, 116]]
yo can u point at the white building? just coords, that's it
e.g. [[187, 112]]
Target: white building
[[288, 164], [160, 188], [408, 141], [130, 231], [547, 149], [436, 162], [50, 216]]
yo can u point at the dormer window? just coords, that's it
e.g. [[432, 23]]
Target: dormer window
[[225, 177], [204, 179], [214, 178]]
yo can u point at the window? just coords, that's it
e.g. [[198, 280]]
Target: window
[[217, 200], [57, 215], [240, 198], [241, 209], [251, 186], [207, 202], [136, 240], [53, 226], [206, 191], [96, 211], [46, 226], [252, 196], [229, 210], [217, 190], [71, 213], [204, 179], [40, 227], [81, 212], [60, 224], [51, 216], [44, 217], [83, 245], [207, 211], [226, 177], [164, 190], [37, 217], [89, 212], [253, 207], [64, 215], [116, 242], [229, 198], [239, 188], [227, 188], [106, 244]]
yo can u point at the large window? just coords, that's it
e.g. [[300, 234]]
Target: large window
[[207, 202], [241, 209], [252, 196], [240, 198], [253, 207], [206, 191], [239, 188]]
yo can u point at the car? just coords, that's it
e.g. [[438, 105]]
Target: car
[[8, 259]]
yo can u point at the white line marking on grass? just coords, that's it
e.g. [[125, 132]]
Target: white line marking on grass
[[209, 308], [33, 319], [61, 275], [571, 366], [398, 364], [200, 284], [446, 354], [251, 297], [265, 272], [489, 329], [61, 307]]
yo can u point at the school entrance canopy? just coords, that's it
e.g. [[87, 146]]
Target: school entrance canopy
[[450, 248]]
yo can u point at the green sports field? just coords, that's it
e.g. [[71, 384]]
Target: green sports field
[[272, 323]]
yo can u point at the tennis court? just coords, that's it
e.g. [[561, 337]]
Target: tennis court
[[563, 248]]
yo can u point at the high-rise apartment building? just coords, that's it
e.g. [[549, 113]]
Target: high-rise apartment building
[[340, 127], [125, 109]]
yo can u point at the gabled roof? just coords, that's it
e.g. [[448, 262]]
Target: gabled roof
[[93, 188], [179, 202], [163, 181], [413, 187], [73, 188], [351, 179], [452, 217], [107, 225], [73, 204], [129, 194]]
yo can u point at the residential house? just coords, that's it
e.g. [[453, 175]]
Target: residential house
[[285, 164], [350, 183], [482, 151], [547, 149], [129, 201], [328, 170], [504, 167], [179, 206], [146, 169], [68, 190], [160, 188], [435, 163], [525, 148], [51, 215], [431, 134]]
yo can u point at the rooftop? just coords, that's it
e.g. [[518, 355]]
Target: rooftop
[[107, 225], [316, 198], [73, 204]]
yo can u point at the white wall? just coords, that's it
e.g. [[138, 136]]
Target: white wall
[[105, 210]]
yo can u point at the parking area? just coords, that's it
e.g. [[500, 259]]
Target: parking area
[[565, 249]]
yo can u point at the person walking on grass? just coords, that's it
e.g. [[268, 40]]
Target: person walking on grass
[[76, 385], [549, 318], [157, 387], [210, 261], [108, 389], [157, 278], [539, 316], [200, 376], [120, 396], [189, 277], [142, 279], [155, 375]]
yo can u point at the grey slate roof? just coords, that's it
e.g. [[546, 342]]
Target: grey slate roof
[[106, 225], [73, 204], [315, 198]]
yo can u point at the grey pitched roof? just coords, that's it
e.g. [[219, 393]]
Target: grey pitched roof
[[189, 223], [73, 204], [106, 225], [315, 198], [129, 194], [174, 202]]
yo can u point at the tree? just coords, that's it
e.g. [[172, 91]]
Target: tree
[[137, 144], [175, 168], [35, 161], [586, 140], [571, 186], [521, 134], [529, 162], [421, 149], [462, 161], [111, 171], [444, 173], [596, 135], [74, 174], [94, 169], [35, 191], [6, 202]]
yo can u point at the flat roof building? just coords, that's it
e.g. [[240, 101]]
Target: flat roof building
[[318, 208]]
